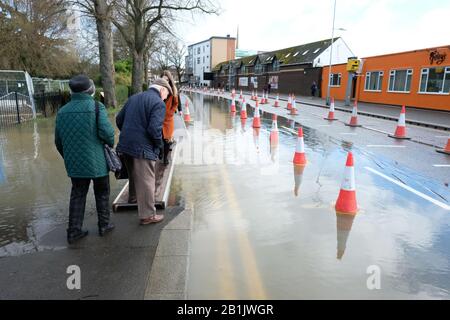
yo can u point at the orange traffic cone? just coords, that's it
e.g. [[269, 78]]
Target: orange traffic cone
[[446, 150], [274, 131], [298, 177], [289, 104], [346, 202], [354, 119], [277, 102], [233, 105], [243, 109], [400, 132], [344, 224], [294, 108], [187, 115], [299, 156], [263, 98], [331, 112], [256, 117]]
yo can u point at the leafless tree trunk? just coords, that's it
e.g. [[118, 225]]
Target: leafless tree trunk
[[101, 11], [105, 46]]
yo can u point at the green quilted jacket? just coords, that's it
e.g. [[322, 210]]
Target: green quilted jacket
[[78, 139]]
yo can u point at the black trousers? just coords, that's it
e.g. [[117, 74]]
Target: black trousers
[[80, 188]]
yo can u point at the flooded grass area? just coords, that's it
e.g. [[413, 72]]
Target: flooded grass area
[[34, 187]]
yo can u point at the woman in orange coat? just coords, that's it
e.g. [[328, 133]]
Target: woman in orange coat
[[172, 104]]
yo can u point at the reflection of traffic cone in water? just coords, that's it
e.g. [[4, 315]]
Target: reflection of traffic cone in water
[[244, 109], [274, 131], [331, 112], [294, 108], [256, 137], [344, 224], [298, 176], [346, 202], [446, 150], [233, 105], [277, 102], [289, 104], [187, 115], [354, 119], [400, 132], [299, 156], [240, 96], [256, 117], [233, 93], [243, 123]]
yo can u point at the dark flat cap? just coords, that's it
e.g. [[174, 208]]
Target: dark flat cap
[[163, 83], [80, 83]]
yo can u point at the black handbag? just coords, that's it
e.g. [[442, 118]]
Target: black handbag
[[112, 159]]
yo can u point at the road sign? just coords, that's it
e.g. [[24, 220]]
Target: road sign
[[353, 65]]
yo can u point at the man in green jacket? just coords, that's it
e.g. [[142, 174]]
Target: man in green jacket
[[80, 134]]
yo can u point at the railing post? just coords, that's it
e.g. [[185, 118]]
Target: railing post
[[17, 107]]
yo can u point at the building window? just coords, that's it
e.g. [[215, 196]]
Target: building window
[[374, 80], [244, 70], [203, 59], [400, 80], [276, 65], [435, 80], [335, 79], [259, 68], [198, 60], [203, 49], [198, 50]]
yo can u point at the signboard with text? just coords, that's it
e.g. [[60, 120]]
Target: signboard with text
[[273, 80], [243, 82]]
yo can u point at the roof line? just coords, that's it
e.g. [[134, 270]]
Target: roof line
[[409, 51], [213, 37]]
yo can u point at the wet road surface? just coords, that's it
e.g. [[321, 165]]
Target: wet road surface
[[266, 229]]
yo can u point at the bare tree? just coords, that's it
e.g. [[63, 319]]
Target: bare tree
[[170, 56], [102, 11], [144, 15], [33, 37]]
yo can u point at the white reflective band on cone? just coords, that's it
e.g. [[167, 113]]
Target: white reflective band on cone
[[354, 112], [401, 120], [332, 107], [257, 112], [274, 125], [300, 148], [348, 183]]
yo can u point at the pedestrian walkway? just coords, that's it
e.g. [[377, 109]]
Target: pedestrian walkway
[[131, 262], [429, 118]]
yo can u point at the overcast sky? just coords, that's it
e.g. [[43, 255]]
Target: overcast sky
[[373, 26]]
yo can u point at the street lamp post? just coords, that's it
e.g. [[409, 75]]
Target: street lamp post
[[331, 55]]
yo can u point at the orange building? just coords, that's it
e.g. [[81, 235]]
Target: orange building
[[419, 78]]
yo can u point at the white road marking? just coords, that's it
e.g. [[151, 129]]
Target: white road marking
[[404, 186], [384, 146], [441, 165]]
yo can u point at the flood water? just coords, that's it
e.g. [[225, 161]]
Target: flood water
[[266, 229], [34, 187]]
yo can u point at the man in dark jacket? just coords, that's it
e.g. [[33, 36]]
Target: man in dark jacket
[[79, 137], [140, 123]]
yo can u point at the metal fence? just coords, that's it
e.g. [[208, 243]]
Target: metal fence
[[15, 108], [48, 103]]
